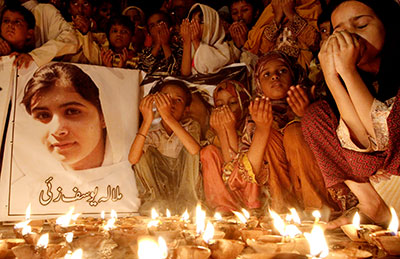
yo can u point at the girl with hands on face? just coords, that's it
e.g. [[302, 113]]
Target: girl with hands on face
[[165, 154], [359, 144], [206, 50]]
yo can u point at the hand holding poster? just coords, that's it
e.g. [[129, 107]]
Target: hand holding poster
[[68, 145]]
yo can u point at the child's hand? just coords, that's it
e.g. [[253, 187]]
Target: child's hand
[[215, 120], [195, 32], [298, 100], [185, 30], [163, 104], [146, 108], [5, 48], [107, 57], [123, 58], [228, 118], [21, 59], [81, 23], [261, 113], [238, 31], [164, 33]]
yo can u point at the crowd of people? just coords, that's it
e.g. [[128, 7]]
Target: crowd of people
[[317, 122]]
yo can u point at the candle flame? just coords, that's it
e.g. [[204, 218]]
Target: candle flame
[[316, 239], [200, 219], [75, 216], [65, 220], [26, 230], [28, 212], [208, 233], [316, 214], [356, 221], [148, 248], [43, 241], [292, 231], [153, 223], [246, 213], [394, 223], [168, 213], [110, 224], [75, 255], [154, 213], [295, 216], [22, 224], [240, 216], [103, 215], [163, 247], [279, 224], [114, 214], [69, 237], [218, 216], [185, 216]]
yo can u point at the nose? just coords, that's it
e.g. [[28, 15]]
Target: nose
[[275, 76], [58, 128], [240, 15]]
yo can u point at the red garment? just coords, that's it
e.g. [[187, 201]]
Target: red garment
[[339, 164]]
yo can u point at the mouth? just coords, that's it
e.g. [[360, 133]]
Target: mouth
[[62, 146]]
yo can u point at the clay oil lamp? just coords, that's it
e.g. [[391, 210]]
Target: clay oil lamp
[[359, 232], [389, 240], [36, 226], [166, 227], [41, 250], [92, 243], [231, 228], [7, 244], [150, 248]]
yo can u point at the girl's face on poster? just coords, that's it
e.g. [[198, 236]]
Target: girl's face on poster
[[223, 97], [275, 79], [356, 17], [73, 128]]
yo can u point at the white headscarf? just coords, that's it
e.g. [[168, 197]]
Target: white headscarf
[[213, 52]]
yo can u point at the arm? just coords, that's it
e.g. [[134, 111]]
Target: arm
[[340, 94], [163, 104], [261, 113], [136, 151], [186, 67]]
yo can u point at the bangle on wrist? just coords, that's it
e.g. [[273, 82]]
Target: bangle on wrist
[[140, 134]]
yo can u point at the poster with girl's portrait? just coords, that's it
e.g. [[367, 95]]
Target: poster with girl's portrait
[[70, 130]]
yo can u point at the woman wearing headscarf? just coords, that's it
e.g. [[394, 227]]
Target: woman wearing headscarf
[[204, 47], [289, 26]]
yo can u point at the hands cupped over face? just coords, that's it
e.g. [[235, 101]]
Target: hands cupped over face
[[261, 112], [222, 118], [191, 30], [340, 53], [238, 31]]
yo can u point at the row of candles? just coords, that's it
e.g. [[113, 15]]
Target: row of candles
[[178, 237]]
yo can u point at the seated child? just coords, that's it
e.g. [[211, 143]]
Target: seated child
[[204, 47], [17, 31], [119, 34], [165, 155], [140, 38], [165, 54]]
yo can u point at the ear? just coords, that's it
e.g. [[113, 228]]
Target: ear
[[102, 121]]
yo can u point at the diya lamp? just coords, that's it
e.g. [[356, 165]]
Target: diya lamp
[[389, 240], [7, 244], [150, 248], [359, 232], [67, 223], [92, 243], [248, 226], [230, 228], [318, 245], [42, 250], [167, 228], [36, 226]]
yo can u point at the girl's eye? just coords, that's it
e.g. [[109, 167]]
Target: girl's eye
[[267, 74], [233, 103], [362, 26], [283, 71], [72, 111]]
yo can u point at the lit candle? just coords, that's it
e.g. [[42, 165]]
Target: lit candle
[[318, 246]]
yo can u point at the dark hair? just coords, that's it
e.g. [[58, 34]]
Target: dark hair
[[161, 84], [388, 12], [120, 20], [49, 75], [166, 16], [256, 4], [196, 10], [17, 8]]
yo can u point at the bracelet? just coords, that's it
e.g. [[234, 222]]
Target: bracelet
[[140, 134]]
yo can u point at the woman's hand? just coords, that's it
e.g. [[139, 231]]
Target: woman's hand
[[298, 100], [107, 57], [261, 113], [163, 104], [185, 30], [346, 52], [146, 108], [326, 59], [238, 31]]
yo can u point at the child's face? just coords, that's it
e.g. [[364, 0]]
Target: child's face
[[80, 7], [14, 29], [135, 16], [198, 16], [275, 79], [242, 11], [356, 17], [178, 98], [105, 10], [152, 23], [120, 36], [223, 97], [325, 31]]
